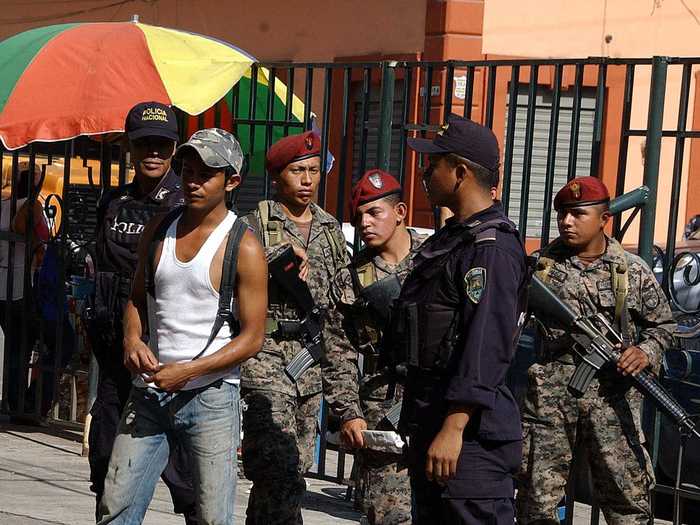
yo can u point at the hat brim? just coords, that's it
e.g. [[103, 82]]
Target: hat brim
[[153, 132], [582, 204], [304, 157], [426, 146]]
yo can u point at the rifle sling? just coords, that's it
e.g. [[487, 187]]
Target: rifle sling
[[227, 286]]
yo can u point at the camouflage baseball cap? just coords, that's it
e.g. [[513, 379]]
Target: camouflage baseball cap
[[216, 147]]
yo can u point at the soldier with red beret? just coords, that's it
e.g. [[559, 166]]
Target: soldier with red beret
[[383, 490], [279, 421], [592, 274]]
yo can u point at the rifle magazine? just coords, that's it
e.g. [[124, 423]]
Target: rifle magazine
[[299, 364]]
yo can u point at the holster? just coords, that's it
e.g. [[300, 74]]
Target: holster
[[103, 317]]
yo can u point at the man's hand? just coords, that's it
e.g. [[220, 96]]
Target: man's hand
[[351, 433], [138, 358], [441, 463], [304, 265], [632, 361], [171, 377]]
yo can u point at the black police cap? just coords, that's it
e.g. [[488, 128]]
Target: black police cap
[[149, 119], [465, 138]]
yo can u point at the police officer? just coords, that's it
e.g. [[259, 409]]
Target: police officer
[[592, 274], [279, 418], [456, 322], [377, 271], [122, 213]]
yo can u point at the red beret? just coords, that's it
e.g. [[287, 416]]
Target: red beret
[[291, 149], [581, 191], [374, 184]]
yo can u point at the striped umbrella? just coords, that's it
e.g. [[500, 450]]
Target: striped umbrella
[[62, 81]]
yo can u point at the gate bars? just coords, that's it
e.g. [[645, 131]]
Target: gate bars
[[554, 119]]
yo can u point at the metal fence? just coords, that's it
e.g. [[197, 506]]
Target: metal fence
[[554, 118]]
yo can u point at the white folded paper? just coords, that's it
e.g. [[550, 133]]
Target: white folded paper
[[383, 441]]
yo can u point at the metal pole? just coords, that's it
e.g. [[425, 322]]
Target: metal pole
[[653, 153], [386, 110]]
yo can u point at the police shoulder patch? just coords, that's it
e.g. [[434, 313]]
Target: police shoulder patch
[[475, 283]]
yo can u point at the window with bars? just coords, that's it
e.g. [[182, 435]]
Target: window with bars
[[540, 146]]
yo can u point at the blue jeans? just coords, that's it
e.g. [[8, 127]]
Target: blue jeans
[[205, 421]]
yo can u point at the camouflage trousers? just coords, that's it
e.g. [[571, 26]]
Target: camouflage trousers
[[382, 492], [278, 446], [602, 426]]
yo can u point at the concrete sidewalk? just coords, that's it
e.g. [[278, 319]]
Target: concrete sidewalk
[[44, 481]]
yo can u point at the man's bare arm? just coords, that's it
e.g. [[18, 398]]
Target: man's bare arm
[[251, 292], [137, 356]]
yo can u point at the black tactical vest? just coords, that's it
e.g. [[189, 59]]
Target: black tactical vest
[[427, 316], [122, 218]]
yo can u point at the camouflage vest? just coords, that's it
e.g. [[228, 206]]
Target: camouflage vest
[[618, 274], [271, 233], [271, 230]]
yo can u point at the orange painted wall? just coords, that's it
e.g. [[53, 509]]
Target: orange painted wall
[[268, 29], [693, 195]]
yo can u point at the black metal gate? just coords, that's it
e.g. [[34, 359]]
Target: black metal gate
[[553, 118]]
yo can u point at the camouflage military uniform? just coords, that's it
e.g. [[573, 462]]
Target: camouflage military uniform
[[279, 419], [383, 492], [605, 422]]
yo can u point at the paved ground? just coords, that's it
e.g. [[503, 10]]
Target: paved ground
[[44, 481]]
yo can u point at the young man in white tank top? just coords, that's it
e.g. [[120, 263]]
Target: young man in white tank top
[[177, 395]]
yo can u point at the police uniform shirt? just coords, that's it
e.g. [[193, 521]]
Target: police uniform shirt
[[485, 283], [123, 214]]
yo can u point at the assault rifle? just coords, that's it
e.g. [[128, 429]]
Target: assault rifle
[[284, 270], [632, 199], [598, 345]]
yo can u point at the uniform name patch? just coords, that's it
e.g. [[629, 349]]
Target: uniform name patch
[[475, 283]]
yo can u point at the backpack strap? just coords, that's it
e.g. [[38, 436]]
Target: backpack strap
[[620, 285], [270, 229], [366, 274], [229, 268], [337, 246]]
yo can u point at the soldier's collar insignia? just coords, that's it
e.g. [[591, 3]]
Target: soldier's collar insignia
[[575, 190], [475, 284], [376, 180], [443, 128]]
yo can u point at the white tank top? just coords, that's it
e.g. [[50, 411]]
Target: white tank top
[[187, 303]]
